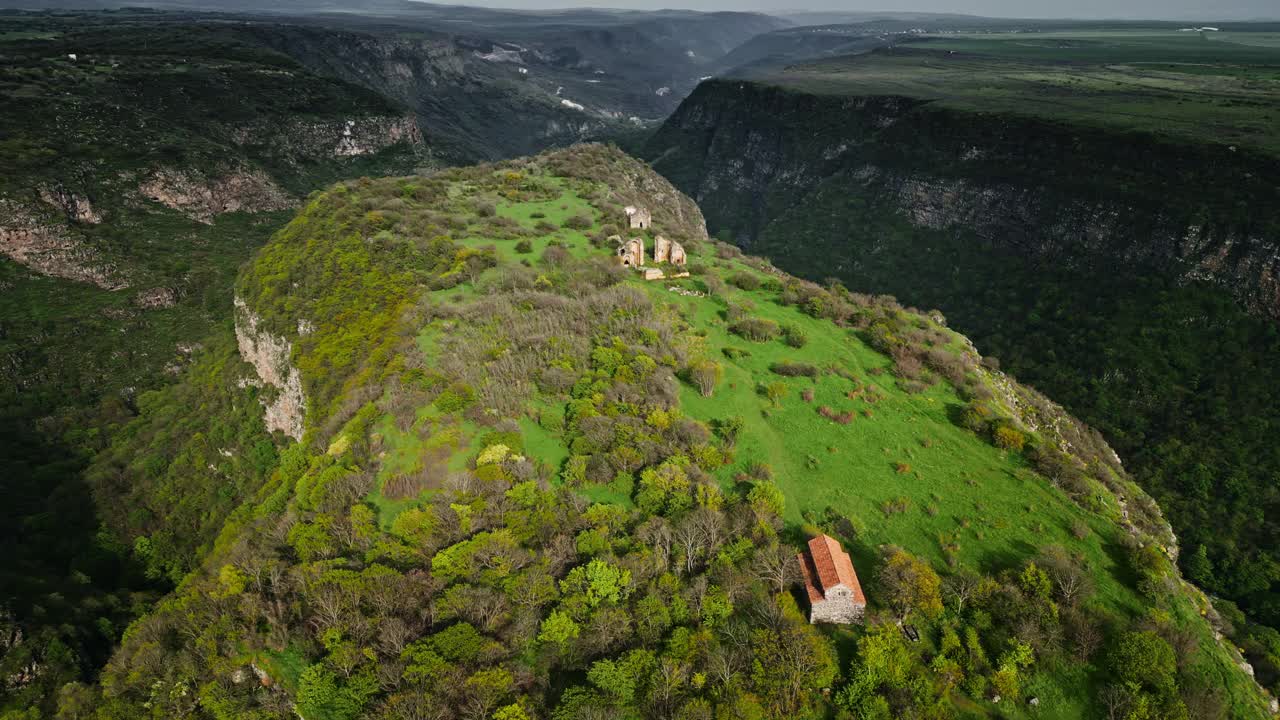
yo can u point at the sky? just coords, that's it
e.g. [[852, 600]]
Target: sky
[[1121, 9]]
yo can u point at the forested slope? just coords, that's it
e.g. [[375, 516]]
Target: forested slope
[[531, 485]]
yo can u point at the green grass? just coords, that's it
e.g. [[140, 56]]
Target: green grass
[[1224, 89], [284, 667], [1008, 510]]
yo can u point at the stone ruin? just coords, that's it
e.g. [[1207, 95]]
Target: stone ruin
[[638, 218], [631, 252], [667, 251]]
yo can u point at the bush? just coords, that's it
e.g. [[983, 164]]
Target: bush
[[555, 256], [706, 375], [756, 329], [787, 368], [578, 222], [744, 280], [842, 418], [455, 397], [524, 247], [775, 391], [794, 336], [1009, 438]]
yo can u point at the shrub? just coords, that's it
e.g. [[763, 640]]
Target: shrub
[[578, 222], [787, 368], [775, 391], [555, 256], [1009, 438], [756, 329], [455, 397], [902, 468], [843, 418], [486, 209], [975, 416], [524, 247], [794, 336], [807, 395], [706, 374], [744, 280], [896, 505]]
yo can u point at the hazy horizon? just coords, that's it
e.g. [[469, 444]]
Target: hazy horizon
[[1174, 10]]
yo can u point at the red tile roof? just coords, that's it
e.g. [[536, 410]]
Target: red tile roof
[[807, 572], [828, 565]]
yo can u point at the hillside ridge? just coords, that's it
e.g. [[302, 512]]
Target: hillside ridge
[[520, 460]]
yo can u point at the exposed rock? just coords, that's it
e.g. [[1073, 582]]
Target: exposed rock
[[77, 207], [52, 248], [201, 198], [269, 355], [352, 137], [154, 298]]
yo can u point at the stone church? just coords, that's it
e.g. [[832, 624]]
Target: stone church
[[638, 218], [631, 252], [835, 595], [668, 251]]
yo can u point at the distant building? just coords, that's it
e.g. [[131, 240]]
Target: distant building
[[835, 595], [638, 218]]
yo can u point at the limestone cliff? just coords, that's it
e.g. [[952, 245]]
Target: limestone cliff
[[270, 357], [201, 196], [1072, 196], [34, 235], [302, 138]]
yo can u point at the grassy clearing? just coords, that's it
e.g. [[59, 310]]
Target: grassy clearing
[[958, 489]]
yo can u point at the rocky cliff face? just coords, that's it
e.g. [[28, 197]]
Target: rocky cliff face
[[41, 236], [45, 228], [304, 138], [1075, 197], [201, 196], [270, 357]]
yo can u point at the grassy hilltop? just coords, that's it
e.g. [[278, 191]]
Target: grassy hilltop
[[532, 485]]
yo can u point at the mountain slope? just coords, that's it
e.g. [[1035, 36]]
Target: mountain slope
[[138, 175], [1148, 254], [531, 484]]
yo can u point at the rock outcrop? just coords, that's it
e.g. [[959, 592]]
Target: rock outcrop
[[51, 246], [270, 357], [351, 137], [1074, 196], [201, 197]]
